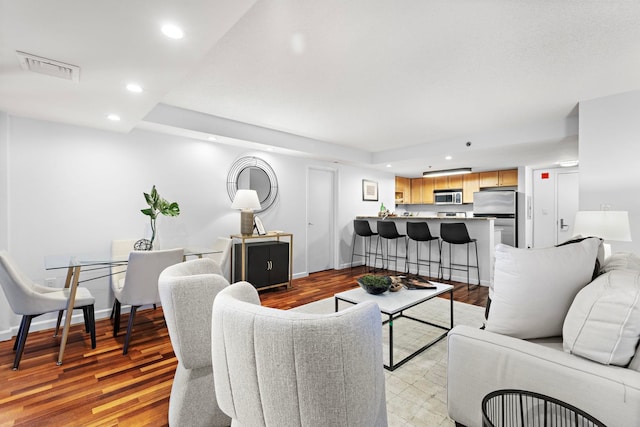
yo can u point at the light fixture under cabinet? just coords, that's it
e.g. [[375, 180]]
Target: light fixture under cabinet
[[446, 172]]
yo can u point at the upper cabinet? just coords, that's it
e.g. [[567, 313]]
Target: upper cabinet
[[420, 190], [504, 178], [470, 184], [403, 190], [453, 182], [416, 190], [428, 185]]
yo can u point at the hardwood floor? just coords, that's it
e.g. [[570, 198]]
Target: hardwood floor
[[102, 387]]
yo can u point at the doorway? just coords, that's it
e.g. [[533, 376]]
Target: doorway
[[567, 202], [320, 219], [555, 203]]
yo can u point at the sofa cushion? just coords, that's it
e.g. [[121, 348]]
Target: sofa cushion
[[621, 261], [533, 288], [603, 323], [635, 362]]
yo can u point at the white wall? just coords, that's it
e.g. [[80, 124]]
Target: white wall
[[72, 190], [609, 134]]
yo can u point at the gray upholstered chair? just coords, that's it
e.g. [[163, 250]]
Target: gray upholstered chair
[[285, 368], [187, 291], [29, 300], [140, 285]]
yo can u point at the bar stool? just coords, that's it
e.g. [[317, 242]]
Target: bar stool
[[387, 230], [361, 228], [419, 232], [457, 234]]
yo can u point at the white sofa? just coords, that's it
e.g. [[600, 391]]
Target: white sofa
[[592, 364]]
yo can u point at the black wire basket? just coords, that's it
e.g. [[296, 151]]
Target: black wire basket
[[518, 408]]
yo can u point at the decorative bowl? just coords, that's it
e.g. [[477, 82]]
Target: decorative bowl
[[374, 285]]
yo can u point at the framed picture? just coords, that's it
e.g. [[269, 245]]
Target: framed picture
[[369, 190], [259, 226]]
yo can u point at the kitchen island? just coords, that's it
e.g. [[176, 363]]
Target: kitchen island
[[481, 229]]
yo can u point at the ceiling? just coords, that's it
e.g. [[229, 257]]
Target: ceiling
[[368, 82]]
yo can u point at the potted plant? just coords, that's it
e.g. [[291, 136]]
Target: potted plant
[[158, 205], [374, 284]]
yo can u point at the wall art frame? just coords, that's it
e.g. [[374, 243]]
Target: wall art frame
[[369, 190]]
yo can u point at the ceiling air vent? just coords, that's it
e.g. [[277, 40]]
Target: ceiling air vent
[[50, 67]]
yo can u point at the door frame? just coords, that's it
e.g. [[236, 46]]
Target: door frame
[[333, 242]]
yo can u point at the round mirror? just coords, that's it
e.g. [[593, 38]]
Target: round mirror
[[253, 173]]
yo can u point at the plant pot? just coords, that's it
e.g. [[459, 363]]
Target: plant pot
[[374, 285]]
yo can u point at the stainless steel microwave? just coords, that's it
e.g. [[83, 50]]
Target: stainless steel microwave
[[447, 197]]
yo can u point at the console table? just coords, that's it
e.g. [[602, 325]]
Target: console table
[[268, 257]]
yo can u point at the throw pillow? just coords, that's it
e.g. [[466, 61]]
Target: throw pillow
[[603, 323], [621, 261], [533, 288]]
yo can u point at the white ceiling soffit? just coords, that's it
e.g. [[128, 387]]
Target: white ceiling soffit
[[114, 44], [388, 79]]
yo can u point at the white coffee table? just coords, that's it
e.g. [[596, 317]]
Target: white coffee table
[[393, 305]]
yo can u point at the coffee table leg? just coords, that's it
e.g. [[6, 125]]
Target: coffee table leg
[[451, 298], [390, 342], [336, 304]]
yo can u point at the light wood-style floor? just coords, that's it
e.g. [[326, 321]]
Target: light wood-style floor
[[102, 387]]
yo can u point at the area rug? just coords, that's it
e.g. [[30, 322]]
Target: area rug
[[417, 390]]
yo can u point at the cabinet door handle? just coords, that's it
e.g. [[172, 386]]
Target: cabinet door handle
[[269, 265]]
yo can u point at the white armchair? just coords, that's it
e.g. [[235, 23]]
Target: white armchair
[[187, 291], [284, 368]]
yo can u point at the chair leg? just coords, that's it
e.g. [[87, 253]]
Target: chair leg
[[116, 319], [90, 323], [58, 323], [353, 248], [113, 309], [21, 339], [87, 321], [127, 338]]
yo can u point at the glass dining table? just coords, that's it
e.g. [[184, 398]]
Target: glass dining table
[[101, 265]]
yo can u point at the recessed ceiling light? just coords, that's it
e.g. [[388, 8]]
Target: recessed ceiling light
[[172, 31], [388, 166], [448, 158], [211, 138], [133, 87], [113, 117]]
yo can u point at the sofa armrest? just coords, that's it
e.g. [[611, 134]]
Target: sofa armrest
[[480, 362]]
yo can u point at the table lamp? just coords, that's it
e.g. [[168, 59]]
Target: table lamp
[[247, 201], [608, 225]]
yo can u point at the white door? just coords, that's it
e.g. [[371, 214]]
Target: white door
[[320, 219], [567, 202]]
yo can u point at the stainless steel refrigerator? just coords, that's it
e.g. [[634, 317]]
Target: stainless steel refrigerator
[[503, 205]]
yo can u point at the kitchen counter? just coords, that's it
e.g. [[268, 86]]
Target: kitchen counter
[[482, 229]]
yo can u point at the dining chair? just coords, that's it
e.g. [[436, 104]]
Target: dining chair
[[140, 285], [223, 258], [29, 300], [285, 368], [187, 291]]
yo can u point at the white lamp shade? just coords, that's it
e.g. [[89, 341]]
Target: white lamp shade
[[247, 200], [608, 225]]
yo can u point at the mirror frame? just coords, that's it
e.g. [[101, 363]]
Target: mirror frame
[[252, 162]]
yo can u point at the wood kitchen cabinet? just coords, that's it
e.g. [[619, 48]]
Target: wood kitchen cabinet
[[403, 190], [416, 190], [428, 185], [470, 184], [503, 178], [453, 182]]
